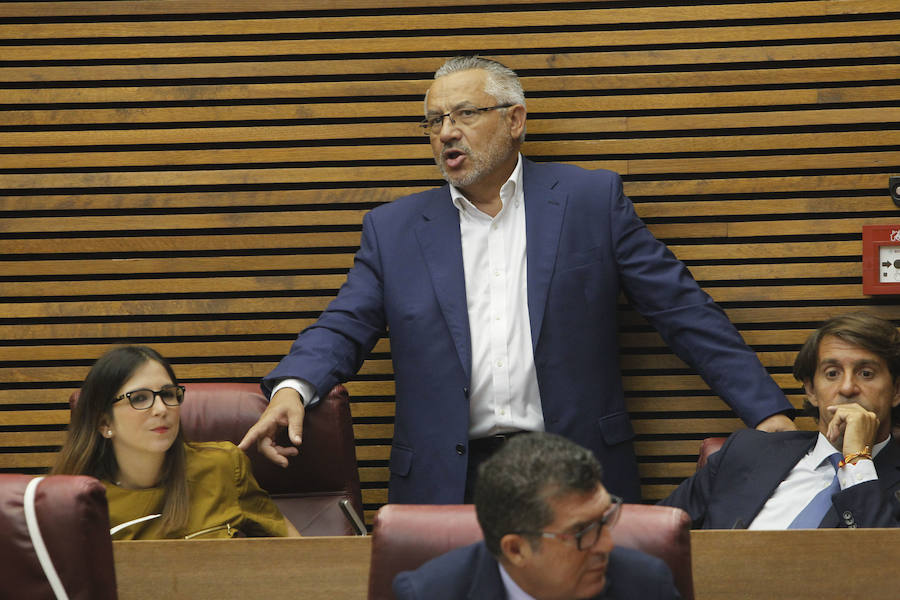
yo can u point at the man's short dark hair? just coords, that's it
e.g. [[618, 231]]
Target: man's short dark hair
[[515, 485], [878, 336]]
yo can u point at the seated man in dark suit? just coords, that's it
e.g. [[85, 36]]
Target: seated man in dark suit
[[845, 475], [546, 519]]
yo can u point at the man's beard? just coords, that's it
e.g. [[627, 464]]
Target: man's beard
[[481, 163]]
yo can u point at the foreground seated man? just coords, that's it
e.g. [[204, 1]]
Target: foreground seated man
[[546, 519], [845, 475]]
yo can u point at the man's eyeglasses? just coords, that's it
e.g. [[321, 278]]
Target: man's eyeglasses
[[467, 115], [587, 536], [143, 399]]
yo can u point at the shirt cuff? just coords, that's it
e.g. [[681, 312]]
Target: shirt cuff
[[853, 474], [308, 394]]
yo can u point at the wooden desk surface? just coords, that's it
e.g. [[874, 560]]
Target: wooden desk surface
[[816, 564], [271, 568]]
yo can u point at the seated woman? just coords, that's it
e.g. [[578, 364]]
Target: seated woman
[[125, 431]]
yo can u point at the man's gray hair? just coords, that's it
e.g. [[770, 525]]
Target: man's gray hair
[[502, 82], [515, 485]]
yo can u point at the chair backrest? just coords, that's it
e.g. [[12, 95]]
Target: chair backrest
[[310, 490], [405, 536], [73, 519], [709, 446]]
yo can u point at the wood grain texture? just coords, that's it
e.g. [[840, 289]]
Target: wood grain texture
[[235, 569], [778, 564]]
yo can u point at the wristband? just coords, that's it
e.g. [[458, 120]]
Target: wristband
[[850, 459]]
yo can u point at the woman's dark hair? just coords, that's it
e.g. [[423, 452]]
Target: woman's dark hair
[[86, 452]]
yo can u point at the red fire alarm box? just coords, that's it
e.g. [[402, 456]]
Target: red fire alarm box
[[881, 259]]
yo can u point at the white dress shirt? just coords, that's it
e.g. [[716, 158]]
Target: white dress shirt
[[503, 391], [809, 476]]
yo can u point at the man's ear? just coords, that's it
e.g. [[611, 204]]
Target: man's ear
[[810, 392], [896, 400], [515, 549], [516, 116]]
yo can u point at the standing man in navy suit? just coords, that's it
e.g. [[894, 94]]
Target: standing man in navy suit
[[546, 519], [499, 294], [850, 369]]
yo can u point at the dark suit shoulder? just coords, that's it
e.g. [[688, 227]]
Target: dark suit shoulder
[[750, 437], [578, 180], [634, 574], [566, 169], [450, 575], [414, 202]]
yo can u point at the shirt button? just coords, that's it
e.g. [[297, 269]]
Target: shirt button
[[460, 449], [496, 273], [499, 363]]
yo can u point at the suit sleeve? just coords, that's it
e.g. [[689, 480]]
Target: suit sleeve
[[332, 349], [662, 289], [693, 494], [867, 505]]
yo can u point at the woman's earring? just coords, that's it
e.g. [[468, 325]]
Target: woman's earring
[[108, 433]]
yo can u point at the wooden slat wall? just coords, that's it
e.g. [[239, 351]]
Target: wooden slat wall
[[192, 175]]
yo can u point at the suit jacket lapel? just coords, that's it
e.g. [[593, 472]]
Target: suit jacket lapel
[[887, 464], [544, 210], [441, 244], [774, 462]]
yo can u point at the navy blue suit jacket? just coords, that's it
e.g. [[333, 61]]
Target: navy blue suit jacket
[[585, 244], [734, 485], [472, 572]]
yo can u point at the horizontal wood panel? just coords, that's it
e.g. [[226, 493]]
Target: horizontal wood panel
[[764, 186], [321, 175], [260, 284], [309, 68], [579, 125], [828, 76], [460, 43], [749, 100], [875, 140], [651, 14]]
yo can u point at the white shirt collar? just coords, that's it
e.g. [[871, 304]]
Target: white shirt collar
[[513, 591], [507, 191]]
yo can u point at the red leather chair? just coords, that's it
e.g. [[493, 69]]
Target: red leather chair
[[73, 520], [319, 491], [405, 536], [708, 446]]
